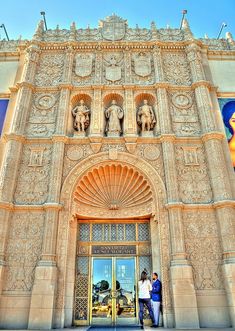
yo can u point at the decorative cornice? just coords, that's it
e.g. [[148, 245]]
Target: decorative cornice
[[200, 206], [25, 84], [60, 138], [205, 83], [5, 95], [213, 136], [13, 136], [46, 206]]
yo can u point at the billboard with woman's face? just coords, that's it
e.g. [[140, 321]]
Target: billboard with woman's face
[[227, 107]]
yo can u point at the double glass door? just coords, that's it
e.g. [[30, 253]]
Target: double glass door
[[113, 290]]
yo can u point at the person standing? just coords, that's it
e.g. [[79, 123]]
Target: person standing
[[156, 297], [144, 286]]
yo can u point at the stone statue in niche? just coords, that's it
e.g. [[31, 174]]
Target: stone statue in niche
[[113, 114], [81, 117], [146, 117]]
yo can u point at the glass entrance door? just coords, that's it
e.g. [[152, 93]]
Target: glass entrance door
[[113, 290]]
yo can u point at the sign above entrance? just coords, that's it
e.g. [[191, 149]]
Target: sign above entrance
[[114, 250]]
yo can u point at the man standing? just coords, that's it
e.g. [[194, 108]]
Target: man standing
[[156, 298]]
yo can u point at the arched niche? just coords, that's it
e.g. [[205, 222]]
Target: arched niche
[[75, 101], [139, 101], [107, 102]]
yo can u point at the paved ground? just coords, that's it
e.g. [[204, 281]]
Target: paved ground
[[147, 328]]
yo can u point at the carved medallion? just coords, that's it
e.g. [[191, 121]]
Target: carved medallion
[[151, 152], [182, 100], [83, 66], [142, 65], [113, 28], [75, 153], [45, 101]]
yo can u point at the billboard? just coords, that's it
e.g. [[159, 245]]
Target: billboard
[[227, 107], [3, 109]]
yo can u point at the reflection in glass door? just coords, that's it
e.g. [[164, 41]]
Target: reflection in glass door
[[113, 291]]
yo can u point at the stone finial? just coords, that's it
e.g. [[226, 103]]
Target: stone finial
[[229, 38], [186, 28], [73, 31], [154, 30], [39, 31]]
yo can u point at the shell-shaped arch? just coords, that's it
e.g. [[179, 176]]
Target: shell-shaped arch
[[81, 96], [139, 98], [112, 96], [113, 187]]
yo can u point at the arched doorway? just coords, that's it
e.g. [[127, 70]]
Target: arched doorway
[[108, 190]]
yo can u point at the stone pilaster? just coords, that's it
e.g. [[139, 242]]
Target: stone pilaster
[[97, 116], [163, 114], [4, 221], [158, 65], [24, 96], [46, 271], [221, 187], [130, 128], [185, 305], [127, 61]]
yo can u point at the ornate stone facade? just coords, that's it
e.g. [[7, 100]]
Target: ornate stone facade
[[115, 124]]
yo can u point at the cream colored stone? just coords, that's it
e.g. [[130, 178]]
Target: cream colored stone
[[171, 169]]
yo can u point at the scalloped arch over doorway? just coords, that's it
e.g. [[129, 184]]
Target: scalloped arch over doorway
[[72, 198], [113, 190]]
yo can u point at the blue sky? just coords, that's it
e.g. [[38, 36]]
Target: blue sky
[[205, 16]]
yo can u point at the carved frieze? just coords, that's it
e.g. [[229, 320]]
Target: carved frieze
[[193, 176], [204, 249], [33, 176], [50, 69], [176, 68], [23, 250]]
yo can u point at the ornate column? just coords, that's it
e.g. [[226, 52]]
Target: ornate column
[[13, 149], [222, 192], [97, 116], [130, 114], [184, 296], [46, 272]]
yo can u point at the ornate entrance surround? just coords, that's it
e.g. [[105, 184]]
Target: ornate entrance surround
[[67, 228]]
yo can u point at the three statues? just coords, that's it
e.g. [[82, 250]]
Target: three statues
[[114, 115]]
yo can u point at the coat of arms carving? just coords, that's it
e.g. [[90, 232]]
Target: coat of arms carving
[[142, 64], [83, 65], [113, 71], [113, 28]]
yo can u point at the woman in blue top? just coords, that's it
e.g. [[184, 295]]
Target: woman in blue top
[[156, 297]]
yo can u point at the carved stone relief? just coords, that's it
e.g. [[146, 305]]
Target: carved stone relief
[[23, 250], [113, 68], [193, 176], [176, 68], [42, 118], [83, 73], [152, 153], [50, 69], [204, 249], [142, 68], [74, 154], [185, 121], [33, 176]]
